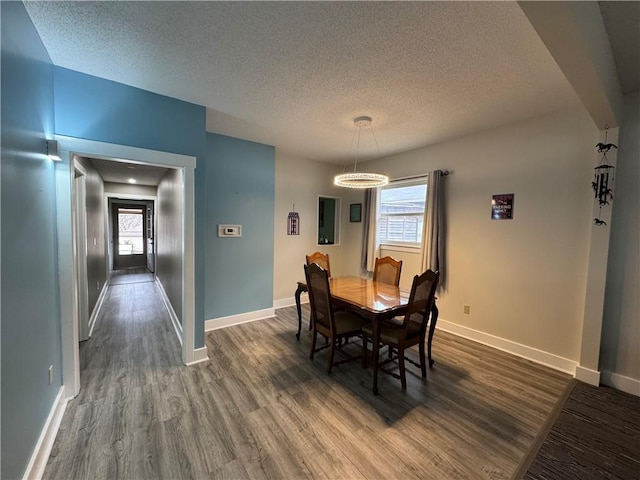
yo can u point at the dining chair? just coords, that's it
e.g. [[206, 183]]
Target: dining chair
[[321, 259], [387, 270], [334, 325], [412, 330]]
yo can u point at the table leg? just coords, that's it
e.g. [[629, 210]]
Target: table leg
[[376, 355], [299, 291], [432, 329]]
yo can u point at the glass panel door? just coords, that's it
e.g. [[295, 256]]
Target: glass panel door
[[130, 231], [129, 236]]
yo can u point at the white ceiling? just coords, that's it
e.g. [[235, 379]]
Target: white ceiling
[[120, 172], [295, 74]]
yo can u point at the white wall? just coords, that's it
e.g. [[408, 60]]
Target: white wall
[[524, 278], [411, 265], [620, 352], [113, 189], [300, 182]]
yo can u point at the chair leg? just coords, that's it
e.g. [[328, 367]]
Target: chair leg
[[313, 343], [332, 351], [403, 376], [423, 363]]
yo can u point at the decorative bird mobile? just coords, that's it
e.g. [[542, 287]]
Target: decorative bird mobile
[[605, 147], [602, 183]]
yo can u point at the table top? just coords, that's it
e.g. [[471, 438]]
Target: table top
[[374, 297]]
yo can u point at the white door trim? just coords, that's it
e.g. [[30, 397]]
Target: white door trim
[[80, 249], [64, 174]]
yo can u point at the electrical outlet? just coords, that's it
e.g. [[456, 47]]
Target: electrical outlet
[[50, 374], [467, 309]]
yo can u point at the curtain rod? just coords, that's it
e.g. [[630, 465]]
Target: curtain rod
[[415, 177]]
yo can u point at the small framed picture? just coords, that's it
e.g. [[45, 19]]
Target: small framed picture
[[355, 212], [502, 207]]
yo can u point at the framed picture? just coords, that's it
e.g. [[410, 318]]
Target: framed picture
[[502, 206], [355, 212]]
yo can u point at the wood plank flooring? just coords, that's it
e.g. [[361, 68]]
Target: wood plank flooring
[[130, 275], [596, 435], [259, 408]]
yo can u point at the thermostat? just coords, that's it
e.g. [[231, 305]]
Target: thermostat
[[229, 230]]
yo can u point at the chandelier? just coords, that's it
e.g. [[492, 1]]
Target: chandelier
[[357, 179]]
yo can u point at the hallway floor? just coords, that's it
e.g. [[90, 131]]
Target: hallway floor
[[127, 369], [130, 275]]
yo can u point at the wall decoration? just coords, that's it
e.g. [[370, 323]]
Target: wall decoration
[[502, 206], [355, 212], [602, 183], [293, 222]]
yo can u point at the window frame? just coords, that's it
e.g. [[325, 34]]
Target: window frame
[[422, 180]]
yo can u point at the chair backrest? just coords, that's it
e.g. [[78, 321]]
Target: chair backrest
[[319, 295], [423, 292], [387, 270], [321, 259]]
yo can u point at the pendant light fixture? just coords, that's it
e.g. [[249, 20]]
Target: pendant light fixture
[[357, 179]]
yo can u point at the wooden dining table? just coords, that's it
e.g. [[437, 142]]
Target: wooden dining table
[[373, 301]]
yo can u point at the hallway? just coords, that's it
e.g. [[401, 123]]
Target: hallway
[[126, 368]]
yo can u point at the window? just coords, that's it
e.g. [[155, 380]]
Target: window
[[401, 213], [130, 234]]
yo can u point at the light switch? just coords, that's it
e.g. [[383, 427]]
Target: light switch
[[229, 230]]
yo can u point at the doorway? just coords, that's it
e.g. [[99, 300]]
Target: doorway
[[68, 300], [129, 235]]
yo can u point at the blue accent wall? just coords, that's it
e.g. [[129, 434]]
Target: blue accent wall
[[241, 190], [30, 311], [96, 109]]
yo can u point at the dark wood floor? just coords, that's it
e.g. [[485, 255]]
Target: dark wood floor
[[596, 435], [259, 408]]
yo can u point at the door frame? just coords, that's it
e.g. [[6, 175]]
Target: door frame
[[110, 196], [79, 226], [70, 146], [114, 203], [150, 236]]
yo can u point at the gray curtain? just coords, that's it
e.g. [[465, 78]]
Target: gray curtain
[[433, 232], [366, 214]]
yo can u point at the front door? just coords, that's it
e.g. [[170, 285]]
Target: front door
[[129, 237]]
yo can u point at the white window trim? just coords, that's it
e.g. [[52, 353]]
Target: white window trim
[[406, 182]]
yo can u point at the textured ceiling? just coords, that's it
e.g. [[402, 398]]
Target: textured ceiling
[[295, 74]]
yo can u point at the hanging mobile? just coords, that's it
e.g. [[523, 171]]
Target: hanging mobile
[[603, 178]]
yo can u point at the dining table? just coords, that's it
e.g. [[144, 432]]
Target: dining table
[[373, 301]]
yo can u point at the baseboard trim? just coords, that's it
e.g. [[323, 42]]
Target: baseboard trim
[[620, 382], [43, 447], [177, 326], [290, 302], [529, 353], [199, 355], [586, 375], [96, 309], [223, 322]]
